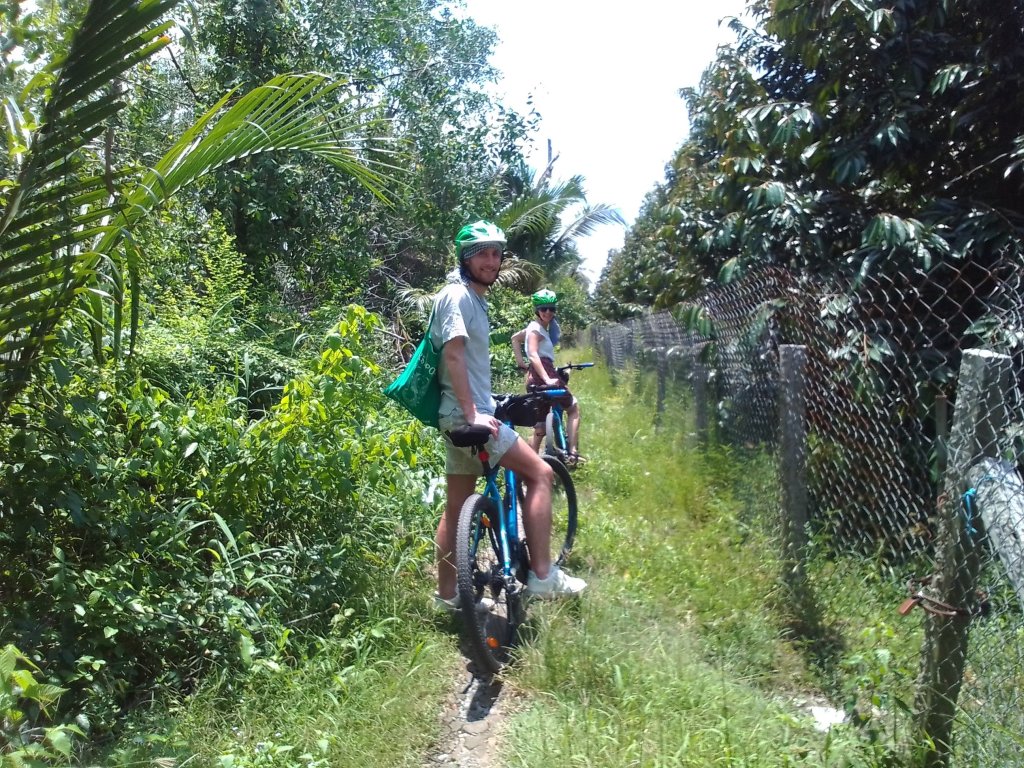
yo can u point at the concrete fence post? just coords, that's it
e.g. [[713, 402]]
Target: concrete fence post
[[793, 470], [700, 397], [979, 414], [662, 355]]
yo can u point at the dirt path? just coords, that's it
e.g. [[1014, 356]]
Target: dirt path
[[472, 722]]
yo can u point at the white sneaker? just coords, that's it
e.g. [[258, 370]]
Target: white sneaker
[[557, 584], [454, 604]]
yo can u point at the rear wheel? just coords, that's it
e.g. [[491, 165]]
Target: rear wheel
[[490, 634], [563, 510]]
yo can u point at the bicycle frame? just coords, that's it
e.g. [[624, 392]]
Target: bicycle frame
[[490, 555], [557, 410], [508, 516], [558, 422]]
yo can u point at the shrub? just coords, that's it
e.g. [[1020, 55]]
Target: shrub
[[23, 700], [149, 538]]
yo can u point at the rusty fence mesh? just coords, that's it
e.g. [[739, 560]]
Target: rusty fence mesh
[[902, 462]]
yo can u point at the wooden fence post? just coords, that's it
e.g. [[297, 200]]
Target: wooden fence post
[[979, 413]]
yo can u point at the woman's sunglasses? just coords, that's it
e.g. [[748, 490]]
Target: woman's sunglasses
[[546, 309]]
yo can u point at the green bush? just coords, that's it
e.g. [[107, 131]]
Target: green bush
[[23, 701], [150, 538], [190, 361]]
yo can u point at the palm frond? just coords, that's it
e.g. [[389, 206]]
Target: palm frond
[[49, 212], [59, 230], [520, 275], [416, 299], [571, 190], [586, 222], [529, 215], [296, 112]]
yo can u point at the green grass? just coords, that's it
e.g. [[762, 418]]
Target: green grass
[[681, 653], [368, 695]]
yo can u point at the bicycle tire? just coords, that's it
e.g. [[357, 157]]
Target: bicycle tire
[[564, 509], [490, 636], [554, 437]]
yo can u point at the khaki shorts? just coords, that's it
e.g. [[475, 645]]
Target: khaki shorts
[[462, 461]]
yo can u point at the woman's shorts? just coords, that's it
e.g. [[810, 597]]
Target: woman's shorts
[[462, 461], [532, 381]]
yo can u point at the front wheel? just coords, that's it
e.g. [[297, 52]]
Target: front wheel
[[478, 562], [563, 510], [554, 436]]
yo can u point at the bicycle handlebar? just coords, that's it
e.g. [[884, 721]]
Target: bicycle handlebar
[[574, 367]]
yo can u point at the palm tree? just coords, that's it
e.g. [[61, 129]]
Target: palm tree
[[544, 222], [63, 225]]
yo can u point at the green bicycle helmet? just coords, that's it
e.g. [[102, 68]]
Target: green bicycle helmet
[[545, 297], [477, 236]]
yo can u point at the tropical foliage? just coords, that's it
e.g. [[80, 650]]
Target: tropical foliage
[[849, 137], [64, 219], [543, 221], [198, 474]]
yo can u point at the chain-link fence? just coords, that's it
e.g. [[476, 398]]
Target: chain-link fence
[[852, 386]]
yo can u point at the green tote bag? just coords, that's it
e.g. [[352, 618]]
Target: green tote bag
[[417, 388]]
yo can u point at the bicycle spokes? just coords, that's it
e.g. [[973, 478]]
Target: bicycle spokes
[[481, 570]]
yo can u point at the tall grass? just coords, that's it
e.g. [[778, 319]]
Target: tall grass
[[370, 693], [679, 654]]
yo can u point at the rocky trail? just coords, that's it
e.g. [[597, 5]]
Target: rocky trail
[[473, 721]]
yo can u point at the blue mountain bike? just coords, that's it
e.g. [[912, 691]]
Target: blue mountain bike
[[555, 434], [491, 555]]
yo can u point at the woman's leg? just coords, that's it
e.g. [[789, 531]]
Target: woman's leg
[[573, 418], [538, 436]]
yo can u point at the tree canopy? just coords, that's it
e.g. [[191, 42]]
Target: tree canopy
[[844, 137]]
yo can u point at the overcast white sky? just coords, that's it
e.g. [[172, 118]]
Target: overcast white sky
[[605, 79]]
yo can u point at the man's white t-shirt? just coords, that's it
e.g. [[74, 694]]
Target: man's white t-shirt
[[459, 311]]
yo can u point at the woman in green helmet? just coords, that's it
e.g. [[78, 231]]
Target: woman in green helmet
[[540, 337]]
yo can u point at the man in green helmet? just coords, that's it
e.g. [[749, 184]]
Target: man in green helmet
[[461, 328]]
